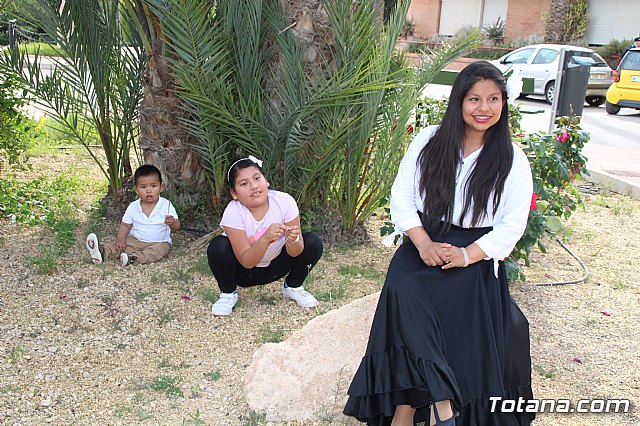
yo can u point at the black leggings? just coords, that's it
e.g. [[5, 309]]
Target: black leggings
[[229, 272]]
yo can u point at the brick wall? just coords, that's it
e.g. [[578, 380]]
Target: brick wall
[[526, 18], [425, 14]]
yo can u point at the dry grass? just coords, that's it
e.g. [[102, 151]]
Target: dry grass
[[101, 344]]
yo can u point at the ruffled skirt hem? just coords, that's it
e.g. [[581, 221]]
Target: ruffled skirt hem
[[415, 381]]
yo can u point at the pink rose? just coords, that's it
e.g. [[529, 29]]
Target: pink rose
[[563, 137]]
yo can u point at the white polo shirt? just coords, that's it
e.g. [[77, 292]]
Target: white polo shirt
[[152, 228]]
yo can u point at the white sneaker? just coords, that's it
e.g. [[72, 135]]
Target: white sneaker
[[94, 248], [301, 296], [225, 304], [127, 259]]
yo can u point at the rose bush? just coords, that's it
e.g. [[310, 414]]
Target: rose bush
[[556, 160]]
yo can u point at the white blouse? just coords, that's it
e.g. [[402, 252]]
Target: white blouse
[[509, 220]]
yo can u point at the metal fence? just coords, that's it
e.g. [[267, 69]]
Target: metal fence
[[13, 33]]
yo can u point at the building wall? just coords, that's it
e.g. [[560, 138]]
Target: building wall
[[457, 14], [526, 18], [425, 15], [613, 20]]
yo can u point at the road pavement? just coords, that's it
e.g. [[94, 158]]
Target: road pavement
[[613, 152]]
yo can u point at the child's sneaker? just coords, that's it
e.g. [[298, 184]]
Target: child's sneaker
[[94, 248], [300, 295], [128, 259], [225, 304]]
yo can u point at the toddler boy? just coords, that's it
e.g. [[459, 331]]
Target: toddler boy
[[144, 235]]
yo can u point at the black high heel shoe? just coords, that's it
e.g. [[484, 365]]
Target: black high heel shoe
[[451, 421]]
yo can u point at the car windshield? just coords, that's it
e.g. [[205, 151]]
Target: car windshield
[[582, 60], [631, 61], [599, 62], [518, 57]]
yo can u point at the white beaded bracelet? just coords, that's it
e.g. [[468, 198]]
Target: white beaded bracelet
[[466, 257]]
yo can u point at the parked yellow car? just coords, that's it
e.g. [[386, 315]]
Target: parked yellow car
[[624, 92]]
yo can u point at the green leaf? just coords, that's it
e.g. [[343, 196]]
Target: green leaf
[[553, 224]]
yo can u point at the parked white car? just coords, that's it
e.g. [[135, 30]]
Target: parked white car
[[540, 62]]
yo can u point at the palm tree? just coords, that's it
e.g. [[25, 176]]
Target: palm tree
[[554, 25], [253, 78], [93, 90]]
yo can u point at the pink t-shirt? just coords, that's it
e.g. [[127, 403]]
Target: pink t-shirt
[[282, 209]]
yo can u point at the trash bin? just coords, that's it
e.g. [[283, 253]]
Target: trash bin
[[573, 86]]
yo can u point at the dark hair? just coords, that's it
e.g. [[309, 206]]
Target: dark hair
[[146, 170], [238, 165], [439, 159]]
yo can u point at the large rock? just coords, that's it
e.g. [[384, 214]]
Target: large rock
[[307, 376]]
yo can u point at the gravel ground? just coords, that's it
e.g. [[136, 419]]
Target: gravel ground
[[101, 344]]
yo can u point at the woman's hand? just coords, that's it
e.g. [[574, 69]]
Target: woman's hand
[[456, 259], [432, 253]]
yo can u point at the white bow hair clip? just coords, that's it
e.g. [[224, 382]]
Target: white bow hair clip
[[255, 160], [250, 158]]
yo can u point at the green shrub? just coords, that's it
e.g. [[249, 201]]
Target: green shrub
[[43, 200], [15, 127], [576, 22], [43, 49], [495, 32], [489, 53], [521, 42], [611, 51], [429, 111]]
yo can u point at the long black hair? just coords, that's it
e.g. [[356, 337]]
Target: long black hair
[[439, 159]]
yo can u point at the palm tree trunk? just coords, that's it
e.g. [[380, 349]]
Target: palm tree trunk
[[163, 141], [554, 26]]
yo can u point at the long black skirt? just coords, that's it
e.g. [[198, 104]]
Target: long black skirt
[[439, 335]]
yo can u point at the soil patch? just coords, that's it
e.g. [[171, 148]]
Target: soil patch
[[102, 344]]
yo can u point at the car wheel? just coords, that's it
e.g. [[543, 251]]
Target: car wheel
[[611, 108], [595, 101], [550, 92]]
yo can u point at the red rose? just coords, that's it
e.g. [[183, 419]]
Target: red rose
[[534, 198]]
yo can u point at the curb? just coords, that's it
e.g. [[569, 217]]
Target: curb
[[614, 183]]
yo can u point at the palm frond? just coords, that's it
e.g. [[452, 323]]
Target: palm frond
[[94, 88]]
